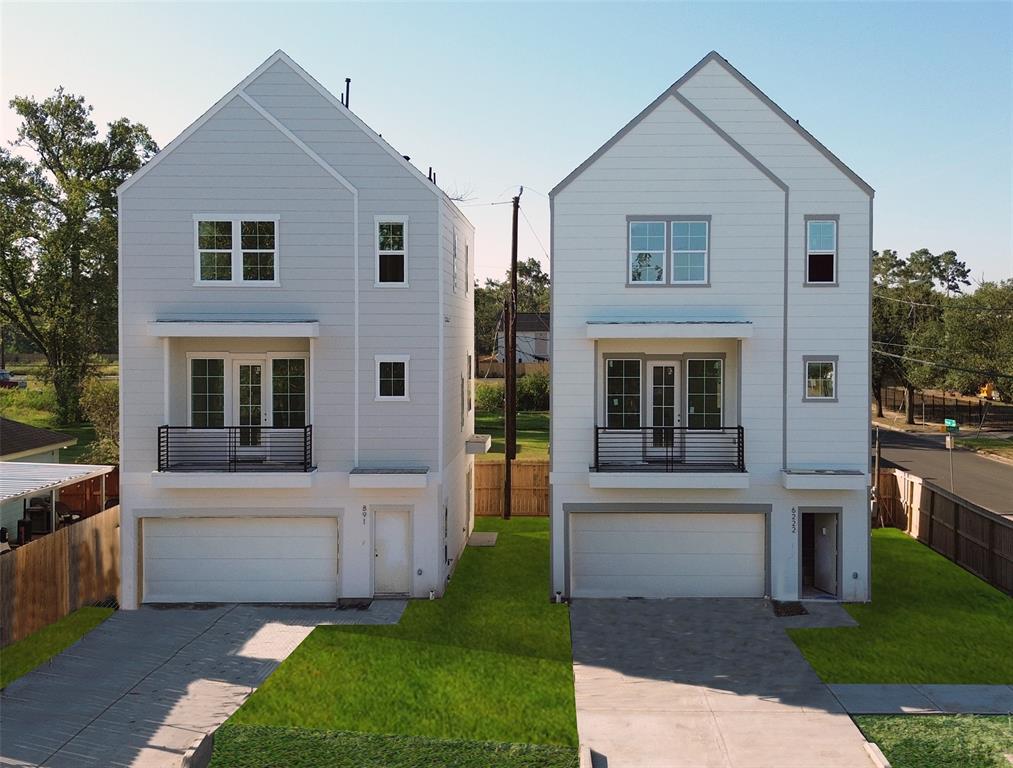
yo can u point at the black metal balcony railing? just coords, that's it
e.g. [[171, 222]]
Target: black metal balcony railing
[[669, 449], [235, 449]]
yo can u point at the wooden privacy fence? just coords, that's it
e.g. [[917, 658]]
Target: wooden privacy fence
[[972, 537], [530, 494], [48, 578]]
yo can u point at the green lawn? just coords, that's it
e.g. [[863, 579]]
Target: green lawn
[[25, 655], [929, 621], [258, 746], [532, 434], [941, 741], [490, 662], [995, 445]]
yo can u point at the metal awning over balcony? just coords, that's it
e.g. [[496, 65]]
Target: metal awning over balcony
[[669, 329]]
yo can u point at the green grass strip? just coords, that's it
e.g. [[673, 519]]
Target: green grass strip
[[941, 741]]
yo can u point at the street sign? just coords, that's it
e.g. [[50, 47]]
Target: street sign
[[951, 425], [949, 442]]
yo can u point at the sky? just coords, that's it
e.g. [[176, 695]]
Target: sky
[[916, 97]]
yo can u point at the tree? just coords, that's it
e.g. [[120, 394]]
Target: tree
[[100, 401], [58, 233], [907, 318], [532, 296], [978, 340]]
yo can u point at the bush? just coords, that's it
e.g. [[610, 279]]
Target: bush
[[533, 392], [488, 397], [100, 402]]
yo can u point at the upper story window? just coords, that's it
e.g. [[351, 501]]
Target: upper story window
[[467, 269], [821, 251], [391, 252], [647, 252], [622, 394], [455, 261], [703, 393], [821, 378], [392, 377], [236, 250], [689, 251]]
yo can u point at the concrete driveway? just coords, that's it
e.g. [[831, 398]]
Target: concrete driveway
[[705, 684], [145, 685]]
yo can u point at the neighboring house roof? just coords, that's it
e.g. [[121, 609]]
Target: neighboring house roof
[[239, 92], [528, 322], [17, 439], [673, 90]]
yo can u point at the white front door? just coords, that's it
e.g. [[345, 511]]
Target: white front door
[[249, 406], [392, 552], [663, 442]]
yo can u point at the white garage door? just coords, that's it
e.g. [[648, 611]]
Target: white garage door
[[245, 560], [667, 555]]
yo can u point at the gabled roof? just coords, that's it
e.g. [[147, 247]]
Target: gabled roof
[[673, 91], [17, 439], [239, 92]]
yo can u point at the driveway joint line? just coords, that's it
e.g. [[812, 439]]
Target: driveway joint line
[[134, 687]]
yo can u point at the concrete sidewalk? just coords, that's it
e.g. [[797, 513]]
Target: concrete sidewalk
[[144, 685], [925, 699]]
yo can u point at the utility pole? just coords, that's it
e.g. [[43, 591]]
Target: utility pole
[[510, 368]]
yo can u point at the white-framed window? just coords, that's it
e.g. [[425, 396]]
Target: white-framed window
[[704, 385], [821, 251], [690, 248], [236, 249], [392, 377], [471, 376], [820, 379], [455, 260], [467, 268], [207, 392], [622, 393], [647, 252], [391, 251]]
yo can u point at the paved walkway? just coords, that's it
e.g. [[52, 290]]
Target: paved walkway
[[144, 685], [985, 482], [705, 684], [925, 699]]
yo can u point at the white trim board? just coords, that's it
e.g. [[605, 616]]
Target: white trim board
[[236, 329], [661, 329]]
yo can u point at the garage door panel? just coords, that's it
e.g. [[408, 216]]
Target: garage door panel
[[240, 559], [687, 542], [667, 555]]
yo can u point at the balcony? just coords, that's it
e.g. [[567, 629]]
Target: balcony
[[234, 451], [669, 457]]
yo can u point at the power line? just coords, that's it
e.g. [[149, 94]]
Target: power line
[[942, 305], [989, 374], [537, 238]]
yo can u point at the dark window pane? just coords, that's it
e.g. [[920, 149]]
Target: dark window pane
[[391, 268], [821, 268]]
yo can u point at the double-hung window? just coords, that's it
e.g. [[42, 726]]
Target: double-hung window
[[821, 379], [821, 251], [689, 251], [647, 252], [622, 394], [391, 252], [236, 250], [703, 393], [392, 377], [207, 392]]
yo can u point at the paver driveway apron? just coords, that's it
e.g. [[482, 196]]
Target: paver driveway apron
[[144, 685], [705, 683]]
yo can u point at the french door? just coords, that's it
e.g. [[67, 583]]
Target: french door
[[663, 442], [249, 405]]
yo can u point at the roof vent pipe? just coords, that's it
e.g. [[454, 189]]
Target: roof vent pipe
[[408, 159], [348, 86]]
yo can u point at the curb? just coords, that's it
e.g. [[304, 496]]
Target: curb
[[876, 755], [584, 760], [198, 754]]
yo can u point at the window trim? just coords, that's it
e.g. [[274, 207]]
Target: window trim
[[833, 360], [237, 220], [377, 397], [669, 281], [836, 219], [391, 219]]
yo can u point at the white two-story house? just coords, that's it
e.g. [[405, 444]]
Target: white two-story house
[[710, 356], [296, 326]]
